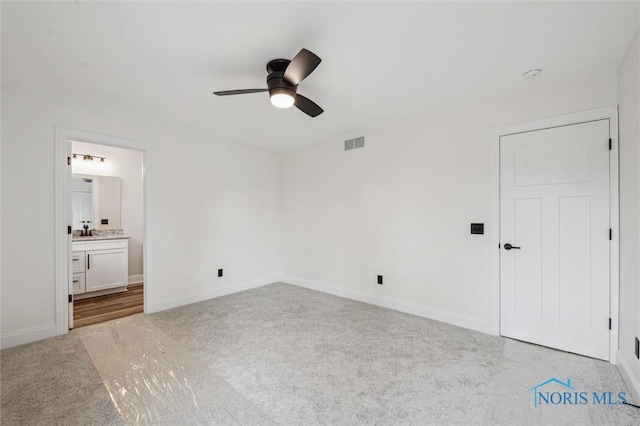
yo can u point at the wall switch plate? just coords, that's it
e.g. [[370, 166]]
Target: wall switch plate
[[219, 272], [637, 348], [477, 228], [380, 279]]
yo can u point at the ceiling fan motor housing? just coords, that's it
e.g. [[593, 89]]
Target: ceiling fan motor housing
[[275, 80]]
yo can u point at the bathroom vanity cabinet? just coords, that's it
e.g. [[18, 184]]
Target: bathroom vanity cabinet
[[99, 267]]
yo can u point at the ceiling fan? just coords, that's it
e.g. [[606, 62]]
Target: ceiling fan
[[282, 83]]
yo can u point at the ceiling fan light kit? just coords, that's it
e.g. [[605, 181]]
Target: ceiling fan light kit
[[282, 83], [281, 100]]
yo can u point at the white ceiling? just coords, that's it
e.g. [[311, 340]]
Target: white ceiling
[[382, 63]]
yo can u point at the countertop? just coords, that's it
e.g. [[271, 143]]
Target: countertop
[[100, 237]]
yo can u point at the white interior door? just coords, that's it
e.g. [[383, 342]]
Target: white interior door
[[554, 211]]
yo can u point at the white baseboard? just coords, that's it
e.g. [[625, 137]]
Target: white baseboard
[[28, 335], [217, 291], [134, 279], [630, 380], [472, 323]]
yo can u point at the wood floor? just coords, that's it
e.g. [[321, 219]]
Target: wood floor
[[105, 308]]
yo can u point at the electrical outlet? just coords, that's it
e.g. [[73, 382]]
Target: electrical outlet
[[380, 279], [637, 348], [219, 273]]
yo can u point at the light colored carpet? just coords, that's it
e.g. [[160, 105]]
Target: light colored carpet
[[283, 354], [53, 382], [305, 357]]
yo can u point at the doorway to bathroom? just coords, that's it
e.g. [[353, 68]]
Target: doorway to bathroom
[[107, 206], [101, 256]]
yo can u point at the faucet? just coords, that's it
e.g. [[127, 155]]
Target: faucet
[[86, 232]]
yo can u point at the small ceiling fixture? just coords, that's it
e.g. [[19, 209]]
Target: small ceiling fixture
[[531, 74], [87, 157]]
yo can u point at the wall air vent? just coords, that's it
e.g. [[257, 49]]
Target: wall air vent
[[354, 143], [348, 145]]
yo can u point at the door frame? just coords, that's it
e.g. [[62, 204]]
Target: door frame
[[62, 216], [610, 113]]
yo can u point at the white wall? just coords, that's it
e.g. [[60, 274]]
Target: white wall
[[629, 119], [215, 205], [402, 206], [127, 165]]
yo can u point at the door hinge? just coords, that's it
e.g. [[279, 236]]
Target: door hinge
[[69, 229], [610, 234], [610, 144], [70, 298], [609, 323], [68, 161]]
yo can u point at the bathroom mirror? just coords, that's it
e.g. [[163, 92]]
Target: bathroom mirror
[[96, 201]]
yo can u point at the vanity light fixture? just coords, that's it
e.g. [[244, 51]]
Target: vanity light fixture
[[87, 157]]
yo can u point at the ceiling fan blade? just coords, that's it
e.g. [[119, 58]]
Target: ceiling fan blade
[[301, 66], [239, 92], [307, 106]]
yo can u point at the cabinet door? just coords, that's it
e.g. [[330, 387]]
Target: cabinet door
[[106, 269], [78, 284]]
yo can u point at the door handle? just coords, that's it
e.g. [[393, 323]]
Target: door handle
[[509, 247], [89, 259]]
